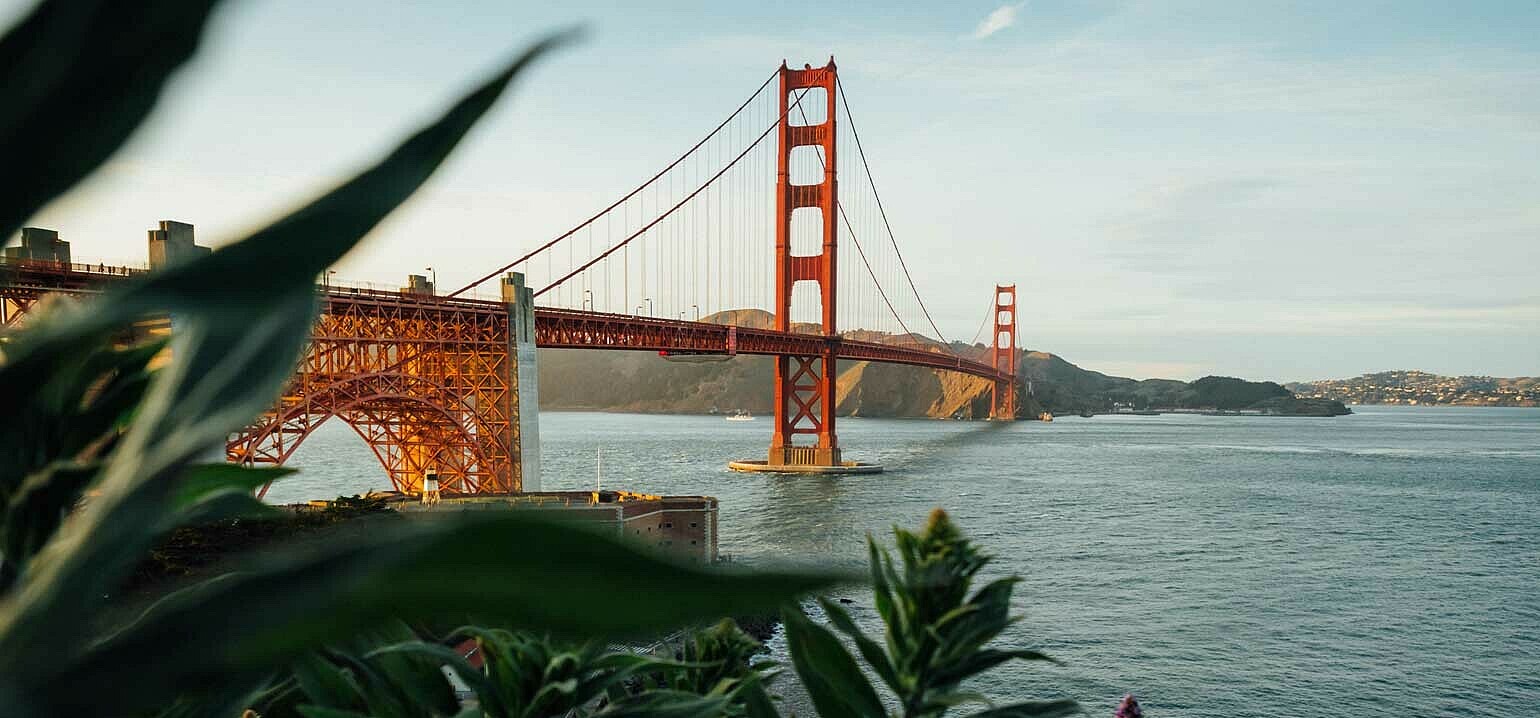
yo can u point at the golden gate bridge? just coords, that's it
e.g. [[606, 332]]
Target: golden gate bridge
[[735, 247]]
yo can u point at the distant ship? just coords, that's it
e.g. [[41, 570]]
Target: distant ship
[[740, 415]]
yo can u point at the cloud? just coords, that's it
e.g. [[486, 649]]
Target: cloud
[[1002, 17]]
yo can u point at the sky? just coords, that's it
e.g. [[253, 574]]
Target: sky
[[1271, 190]]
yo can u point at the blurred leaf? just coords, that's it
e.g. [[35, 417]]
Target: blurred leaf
[[444, 655], [79, 77], [215, 492], [831, 676], [77, 403], [578, 582], [319, 712], [720, 661], [1032, 709], [36, 511], [239, 333], [204, 480], [324, 685], [951, 699], [665, 704]]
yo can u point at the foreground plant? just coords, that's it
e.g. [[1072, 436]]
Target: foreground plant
[[324, 630], [85, 415], [936, 634]]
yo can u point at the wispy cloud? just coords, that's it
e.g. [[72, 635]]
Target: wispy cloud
[[1002, 17]]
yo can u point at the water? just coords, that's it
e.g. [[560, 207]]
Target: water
[[1382, 563]]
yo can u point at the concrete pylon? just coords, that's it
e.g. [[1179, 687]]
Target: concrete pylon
[[524, 378]]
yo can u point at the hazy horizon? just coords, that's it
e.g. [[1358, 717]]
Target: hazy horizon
[[1289, 192]]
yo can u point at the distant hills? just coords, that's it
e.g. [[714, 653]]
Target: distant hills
[[1420, 388], [577, 379]]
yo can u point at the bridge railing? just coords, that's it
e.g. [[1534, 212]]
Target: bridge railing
[[98, 269], [366, 289]]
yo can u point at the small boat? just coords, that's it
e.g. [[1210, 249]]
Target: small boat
[[740, 415], [1045, 416]]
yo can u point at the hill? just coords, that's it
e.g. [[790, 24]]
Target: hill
[[577, 379], [1421, 388]]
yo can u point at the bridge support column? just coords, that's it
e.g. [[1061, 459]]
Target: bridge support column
[[524, 379], [1002, 350], [805, 385]]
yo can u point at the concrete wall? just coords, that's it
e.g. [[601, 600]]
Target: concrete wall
[[679, 525], [40, 244], [682, 526], [172, 244], [417, 284]]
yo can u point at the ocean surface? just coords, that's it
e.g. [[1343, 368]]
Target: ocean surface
[[1385, 563]]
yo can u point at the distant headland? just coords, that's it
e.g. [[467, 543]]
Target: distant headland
[[1419, 388], [643, 382]]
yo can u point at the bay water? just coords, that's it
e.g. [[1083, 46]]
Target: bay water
[[1382, 563]]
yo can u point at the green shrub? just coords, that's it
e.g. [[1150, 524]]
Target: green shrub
[[936, 634]]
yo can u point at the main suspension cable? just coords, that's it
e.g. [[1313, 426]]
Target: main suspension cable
[[681, 203], [629, 195], [845, 102]]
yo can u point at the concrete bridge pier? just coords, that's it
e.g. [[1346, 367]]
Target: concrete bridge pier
[[524, 379]]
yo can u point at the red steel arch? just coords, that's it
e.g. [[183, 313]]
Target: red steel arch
[[409, 422], [425, 381]]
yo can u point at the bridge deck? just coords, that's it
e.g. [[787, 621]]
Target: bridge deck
[[554, 328]]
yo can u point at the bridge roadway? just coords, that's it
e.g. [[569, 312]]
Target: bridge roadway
[[573, 329], [555, 328]]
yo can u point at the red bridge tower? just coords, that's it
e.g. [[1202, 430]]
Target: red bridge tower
[[1002, 350], [804, 385]]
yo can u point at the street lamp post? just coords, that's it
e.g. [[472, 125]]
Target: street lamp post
[[649, 306], [433, 285], [696, 307], [588, 299]]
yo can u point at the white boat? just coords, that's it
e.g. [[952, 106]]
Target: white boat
[[740, 415]]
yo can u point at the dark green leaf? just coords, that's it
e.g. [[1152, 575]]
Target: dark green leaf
[[980, 621], [665, 704], [473, 679], [324, 684], [831, 676], [199, 482], [578, 582], [73, 406], [1032, 709], [319, 712], [950, 699], [869, 649], [79, 77], [980, 661], [37, 509]]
